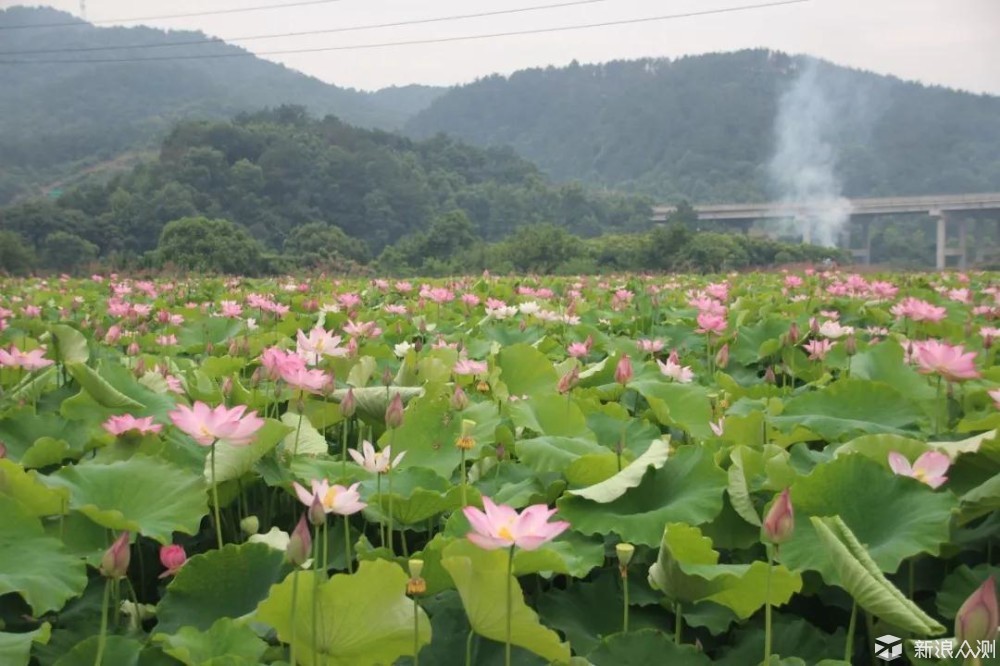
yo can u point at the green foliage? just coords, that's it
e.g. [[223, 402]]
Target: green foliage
[[16, 257], [200, 244]]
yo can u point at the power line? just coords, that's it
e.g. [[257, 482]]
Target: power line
[[234, 10], [414, 42], [354, 28]]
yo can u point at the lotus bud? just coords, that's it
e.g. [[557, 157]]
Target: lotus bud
[[674, 357], [394, 412], [348, 406], [114, 564], [465, 440], [780, 520], [299, 544], [133, 349], [209, 348], [140, 368], [387, 377], [624, 551], [569, 380], [814, 325], [978, 617], [255, 377], [352, 347], [418, 345], [501, 451], [234, 347], [722, 357], [459, 400], [3, 450], [769, 377], [227, 386], [172, 558], [250, 525], [793, 334], [316, 513], [416, 585], [851, 345], [623, 371]]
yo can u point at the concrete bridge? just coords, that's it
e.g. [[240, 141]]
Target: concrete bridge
[[955, 209]]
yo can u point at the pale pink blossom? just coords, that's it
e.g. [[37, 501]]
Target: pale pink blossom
[[918, 310], [207, 425], [376, 462], [119, 425], [818, 349], [677, 372], [929, 468], [501, 526], [711, 323], [950, 361], [334, 499], [466, 366], [32, 360]]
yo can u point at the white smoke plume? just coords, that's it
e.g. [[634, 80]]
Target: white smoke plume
[[803, 169]]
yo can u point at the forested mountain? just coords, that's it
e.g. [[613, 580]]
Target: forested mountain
[[706, 127], [58, 119], [275, 172]]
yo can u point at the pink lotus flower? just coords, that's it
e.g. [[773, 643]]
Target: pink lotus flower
[[711, 323], [677, 372], [502, 527], [278, 361], [996, 397], [950, 361], [301, 379], [376, 462], [918, 310], [718, 427], [978, 618], [818, 349], [119, 425], [172, 558], [929, 468], [333, 499], [207, 426], [465, 366], [317, 344], [650, 346], [33, 360]]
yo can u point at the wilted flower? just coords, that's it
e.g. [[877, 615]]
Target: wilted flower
[[502, 527]]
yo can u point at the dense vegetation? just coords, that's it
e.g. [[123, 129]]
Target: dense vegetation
[[703, 127], [58, 120]]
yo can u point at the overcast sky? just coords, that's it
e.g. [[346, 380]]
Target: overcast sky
[[949, 42]]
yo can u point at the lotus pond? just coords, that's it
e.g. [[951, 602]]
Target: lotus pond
[[632, 470]]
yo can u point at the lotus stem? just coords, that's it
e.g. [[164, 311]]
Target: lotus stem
[[298, 431], [392, 441], [215, 500], [678, 622], [468, 648], [345, 426], [378, 500], [767, 611], [625, 604], [465, 502], [416, 633], [510, 603], [295, 599], [347, 544], [849, 648], [103, 636]]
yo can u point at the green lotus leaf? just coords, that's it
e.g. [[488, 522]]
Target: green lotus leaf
[[145, 495], [225, 638], [422, 504], [114, 388], [33, 564], [572, 554], [744, 460], [26, 488], [233, 462], [552, 453], [791, 636], [851, 408], [687, 570], [526, 371], [196, 333], [895, 517], [301, 438], [587, 611], [220, 583], [118, 650], [430, 429], [550, 415], [959, 586], [644, 647], [630, 477], [350, 632], [482, 581], [685, 406], [688, 488], [747, 349], [884, 363], [861, 577], [30, 389], [70, 344], [218, 367], [15, 649], [21, 429], [99, 388]]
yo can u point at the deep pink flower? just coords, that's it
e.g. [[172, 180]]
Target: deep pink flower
[[207, 426], [711, 323], [502, 527], [172, 558], [929, 468], [119, 425], [950, 361], [302, 379]]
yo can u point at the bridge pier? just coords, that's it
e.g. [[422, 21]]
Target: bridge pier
[[942, 250], [861, 254]]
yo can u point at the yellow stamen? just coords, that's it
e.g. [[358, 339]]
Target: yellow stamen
[[329, 498], [504, 533]]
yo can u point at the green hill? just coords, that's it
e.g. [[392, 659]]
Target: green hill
[[58, 120], [706, 127]]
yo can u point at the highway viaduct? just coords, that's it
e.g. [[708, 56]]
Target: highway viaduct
[[948, 209]]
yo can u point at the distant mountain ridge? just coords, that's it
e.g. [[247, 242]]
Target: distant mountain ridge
[[704, 127], [57, 118]]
